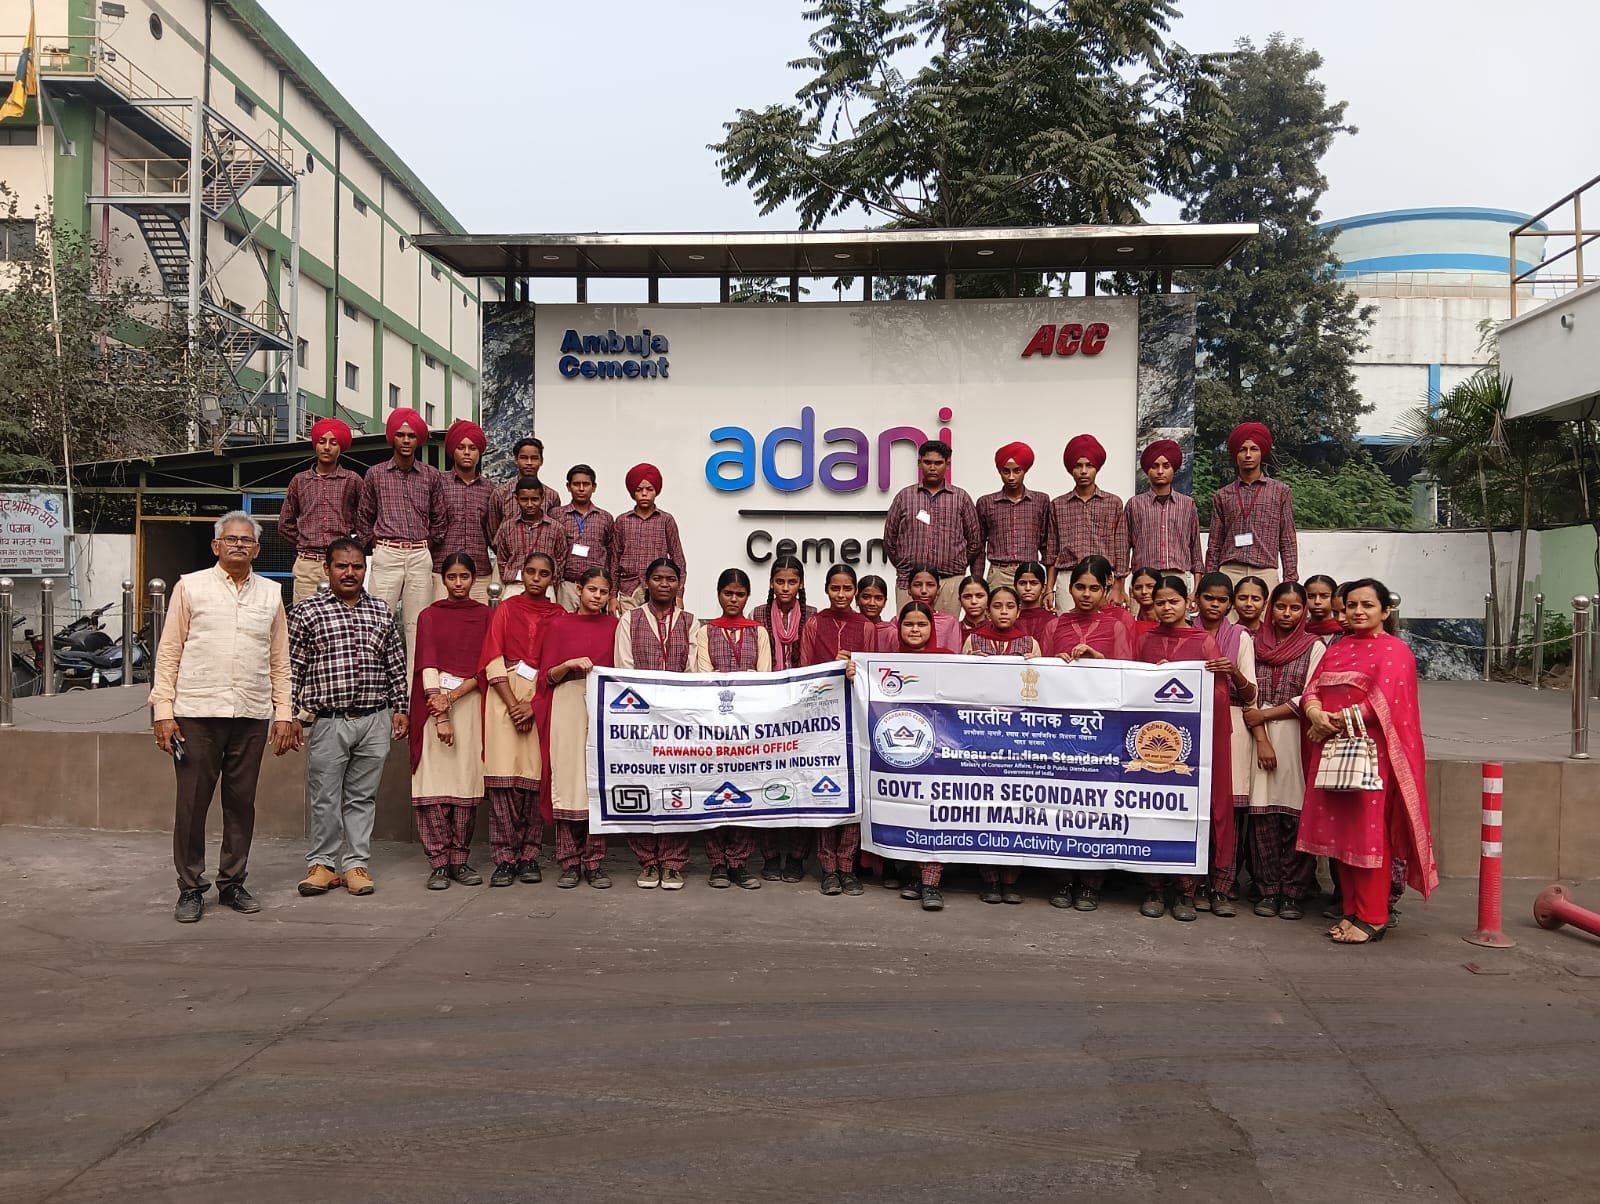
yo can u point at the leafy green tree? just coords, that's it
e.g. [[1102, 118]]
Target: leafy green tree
[[1357, 494], [948, 113], [1277, 330]]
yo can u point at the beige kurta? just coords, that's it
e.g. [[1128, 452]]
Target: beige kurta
[[510, 757], [1283, 790], [451, 774], [569, 754], [1243, 742]]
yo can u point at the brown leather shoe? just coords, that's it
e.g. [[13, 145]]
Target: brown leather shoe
[[358, 881], [320, 881]]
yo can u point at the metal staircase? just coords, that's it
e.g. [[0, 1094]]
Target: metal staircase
[[166, 236]]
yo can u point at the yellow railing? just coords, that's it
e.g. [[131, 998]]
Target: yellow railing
[[1572, 241]]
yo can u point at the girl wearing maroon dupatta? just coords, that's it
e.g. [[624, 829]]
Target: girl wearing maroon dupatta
[[1365, 831], [1141, 596], [572, 646], [1320, 619], [658, 635], [832, 636], [1287, 655], [513, 767], [785, 615], [1035, 617], [1175, 640], [915, 631], [732, 643], [872, 595], [446, 739], [1213, 596], [1000, 635], [973, 598]]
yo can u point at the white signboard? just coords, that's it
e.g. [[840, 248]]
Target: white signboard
[[33, 533], [798, 423]]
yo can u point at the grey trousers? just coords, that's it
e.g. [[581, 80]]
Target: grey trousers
[[344, 761]]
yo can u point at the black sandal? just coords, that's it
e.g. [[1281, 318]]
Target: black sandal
[[1373, 932]]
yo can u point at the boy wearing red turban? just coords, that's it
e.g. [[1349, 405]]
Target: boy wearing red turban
[[402, 521], [1014, 519], [1086, 522], [1163, 524], [1252, 518], [469, 499], [320, 505], [644, 534]]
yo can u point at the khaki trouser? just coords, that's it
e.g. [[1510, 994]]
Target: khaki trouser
[[947, 601], [403, 577], [1002, 574], [631, 601], [309, 575], [1238, 572], [478, 593], [567, 596]]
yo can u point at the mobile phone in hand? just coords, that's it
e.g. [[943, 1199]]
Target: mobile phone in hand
[[180, 751]]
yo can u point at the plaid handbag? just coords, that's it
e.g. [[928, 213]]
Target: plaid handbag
[[1349, 761]]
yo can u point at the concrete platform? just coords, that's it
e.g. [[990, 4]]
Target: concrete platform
[[530, 1043]]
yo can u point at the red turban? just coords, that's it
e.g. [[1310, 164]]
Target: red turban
[[643, 472], [1020, 452], [331, 426], [1162, 447], [1084, 447], [1253, 432], [464, 428], [402, 416]]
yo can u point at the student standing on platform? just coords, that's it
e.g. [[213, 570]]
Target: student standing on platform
[[469, 505], [1086, 522], [786, 616], [533, 530], [1252, 518], [528, 458], [642, 536], [572, 646], [446, 726], [1015, 519], [588, 530], [348, 662], [320, 506], [513, 765], [1175, 640], [658, 635], [1163, 524], [832, 636], [732, 643], [933, 524], [402, 519], [1287, 656]]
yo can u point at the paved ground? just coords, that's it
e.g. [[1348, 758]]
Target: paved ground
[[532, 1043]]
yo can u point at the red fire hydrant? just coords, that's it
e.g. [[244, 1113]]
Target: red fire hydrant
[[1553, 908]]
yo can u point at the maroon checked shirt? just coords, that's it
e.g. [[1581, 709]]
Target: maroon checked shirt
[[636, 541], [518, 539], [1164, 532], [939, 530], [402, 505], [319, 509], [1014, 531], [592, 532], [1262, 513], [467, 528], [1092, 527]]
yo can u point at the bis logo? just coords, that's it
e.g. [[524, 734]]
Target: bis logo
[[903, 739], [630, 702], [1174, 691]]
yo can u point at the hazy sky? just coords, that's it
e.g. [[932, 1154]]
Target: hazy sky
[[560, 117]]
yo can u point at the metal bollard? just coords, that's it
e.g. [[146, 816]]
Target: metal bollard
[[1594, 647], [1488, 633], [158, 615], [1538, 640], [127, 633], [495, 590], [1394, 609], [6, 684], [1580, 672], [47, 620]]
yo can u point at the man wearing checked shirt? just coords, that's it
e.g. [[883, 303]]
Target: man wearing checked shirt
[[933, 523], [1252, 518]]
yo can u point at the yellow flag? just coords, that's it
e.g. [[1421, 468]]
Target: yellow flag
[[27, 82]]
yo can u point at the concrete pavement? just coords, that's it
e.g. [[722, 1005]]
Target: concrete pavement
[[527, 1042]]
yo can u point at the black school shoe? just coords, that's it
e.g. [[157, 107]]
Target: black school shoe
[[1154, 906], [191, 906], [242, 901], [1010, 894], [1183, 909], [720, 877], [528, 871], [794, 870], [850, 883], [1087, 899], [1063, 898], [570, 877], [832, 884], [439, 878], [989, 892], [598, 878], [772, 869], [1222, 906], [465, 875], [504, 874], [911, 890], [743, 878], [932, 900]]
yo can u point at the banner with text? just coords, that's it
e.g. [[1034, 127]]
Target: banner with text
[[673, 752], [1093, 765]]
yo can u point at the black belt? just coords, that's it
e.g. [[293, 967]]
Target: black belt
[[351, 712]]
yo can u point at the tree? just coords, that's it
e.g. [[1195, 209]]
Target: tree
[[1357, 494], [124, 383], [1276, 328], [1024, 114]]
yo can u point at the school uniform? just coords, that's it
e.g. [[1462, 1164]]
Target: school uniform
[[589, 537], [829, 633], [940, 530], [646, 641], [637, 541], [518, 539], [467, 505], [513, 762], [1080, 527], [317, 509], [786, 631], [719, 649], [402, 518]]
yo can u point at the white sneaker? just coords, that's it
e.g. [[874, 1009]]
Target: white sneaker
[[671, 879], [649, 879]]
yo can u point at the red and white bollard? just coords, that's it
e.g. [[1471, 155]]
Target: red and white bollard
[[1553, 908], [1489, 934]]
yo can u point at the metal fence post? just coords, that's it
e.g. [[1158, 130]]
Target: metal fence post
[[1580, 673], [1488, 633], [1538, 640], [158, 616], [495, 590], [47, 643], [1394, 610], [1594, 649], [127, 633], [6, 683]]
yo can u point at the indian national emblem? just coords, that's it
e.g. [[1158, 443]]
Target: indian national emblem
[[1030, 685], [724, 702]]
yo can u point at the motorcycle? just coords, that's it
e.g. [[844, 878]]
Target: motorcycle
[[26, 679], [87, 658]]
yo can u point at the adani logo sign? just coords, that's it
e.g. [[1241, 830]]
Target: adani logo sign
[[846, 470]]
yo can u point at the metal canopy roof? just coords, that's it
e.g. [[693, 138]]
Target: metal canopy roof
[[840, 252]]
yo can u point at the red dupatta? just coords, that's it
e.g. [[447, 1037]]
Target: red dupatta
[[514, 631], [449, 639], [831, 632], [1101, 630], [1185, 643], [565, 637], [1328, 626], [1036, 621], [1377, 673]]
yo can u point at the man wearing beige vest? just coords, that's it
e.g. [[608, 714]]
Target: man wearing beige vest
[[221, 675]]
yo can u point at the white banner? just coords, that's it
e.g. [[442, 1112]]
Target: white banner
[[33, 533], [1000, 761], [678, 752]]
